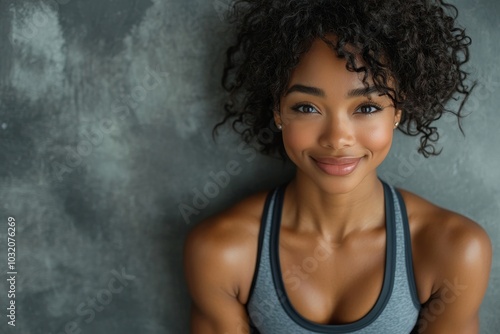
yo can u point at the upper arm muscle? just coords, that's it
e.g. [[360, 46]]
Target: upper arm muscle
[[210, 276], [461, 283]]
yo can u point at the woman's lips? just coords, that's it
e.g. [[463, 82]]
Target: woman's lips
[[339, 166]]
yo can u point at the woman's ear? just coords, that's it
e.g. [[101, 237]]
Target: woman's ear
[[277, 117], [397, 117]]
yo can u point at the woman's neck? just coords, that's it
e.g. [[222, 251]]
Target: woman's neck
[[308, 208]]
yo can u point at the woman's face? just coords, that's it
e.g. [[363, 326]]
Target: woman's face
[[335, 130]]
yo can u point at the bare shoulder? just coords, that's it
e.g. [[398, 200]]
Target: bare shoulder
[[445, 225], [446, 244], [222, 249]]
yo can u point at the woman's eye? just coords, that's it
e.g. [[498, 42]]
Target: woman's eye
[[305, 109], [369, 109]]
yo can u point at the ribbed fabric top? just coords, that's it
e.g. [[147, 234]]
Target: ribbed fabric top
[[396, 309]]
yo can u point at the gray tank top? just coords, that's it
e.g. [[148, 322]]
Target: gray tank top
[[396, 309]]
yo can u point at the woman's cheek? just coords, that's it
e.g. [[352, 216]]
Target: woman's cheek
[[376, 138], [298, 136]]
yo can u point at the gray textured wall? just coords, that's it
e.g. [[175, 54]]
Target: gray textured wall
[[105, 116]]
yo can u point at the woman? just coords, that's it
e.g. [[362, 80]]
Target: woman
[[336, 249]]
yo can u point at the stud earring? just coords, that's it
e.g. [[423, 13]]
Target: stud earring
[[280, 127], [396, 125]]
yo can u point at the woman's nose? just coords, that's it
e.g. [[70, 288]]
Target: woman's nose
[[337, 132]]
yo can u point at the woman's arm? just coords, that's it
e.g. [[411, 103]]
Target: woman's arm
[[211, 271], [463, 263]]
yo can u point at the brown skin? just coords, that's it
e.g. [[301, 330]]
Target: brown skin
[[346, 213]]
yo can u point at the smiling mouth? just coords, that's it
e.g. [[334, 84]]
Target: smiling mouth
[[337, 166]]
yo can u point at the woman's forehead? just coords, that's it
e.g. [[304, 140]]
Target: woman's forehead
[[321, 64]]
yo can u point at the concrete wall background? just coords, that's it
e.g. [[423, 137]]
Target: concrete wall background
[[106, 109]]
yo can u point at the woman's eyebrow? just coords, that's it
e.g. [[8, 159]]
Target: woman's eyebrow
[[362, 91], [306, 89]]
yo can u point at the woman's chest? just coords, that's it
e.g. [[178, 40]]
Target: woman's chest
[[339, 283]]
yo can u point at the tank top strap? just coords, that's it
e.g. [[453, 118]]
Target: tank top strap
[[265, 231], [404, 249]]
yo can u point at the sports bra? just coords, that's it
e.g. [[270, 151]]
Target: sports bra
[[396, 309]]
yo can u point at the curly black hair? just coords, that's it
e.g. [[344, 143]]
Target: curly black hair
[[416, 43]]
